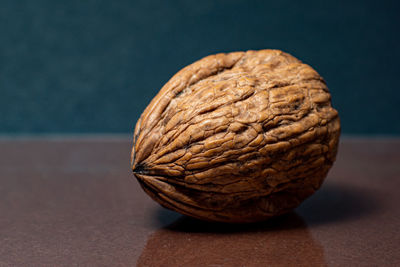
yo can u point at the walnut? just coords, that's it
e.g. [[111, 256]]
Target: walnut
[[237, 137]]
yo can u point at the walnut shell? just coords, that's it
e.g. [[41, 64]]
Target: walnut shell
[[237, 137]]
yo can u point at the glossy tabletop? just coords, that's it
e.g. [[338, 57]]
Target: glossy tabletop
[[74, 202]]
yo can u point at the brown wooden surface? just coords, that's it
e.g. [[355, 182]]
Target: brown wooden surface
[[74, 201]]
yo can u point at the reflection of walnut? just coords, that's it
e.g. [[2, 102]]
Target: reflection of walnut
[[237, 137]]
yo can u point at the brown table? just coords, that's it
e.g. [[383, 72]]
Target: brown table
[[73, 201]]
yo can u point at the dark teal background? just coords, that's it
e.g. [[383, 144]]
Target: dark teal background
[[92, 66]]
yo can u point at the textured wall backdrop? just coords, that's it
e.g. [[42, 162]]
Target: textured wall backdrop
[[83, 66]]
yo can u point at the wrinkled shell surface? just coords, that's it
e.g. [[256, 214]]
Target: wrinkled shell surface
[[237, 137]]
